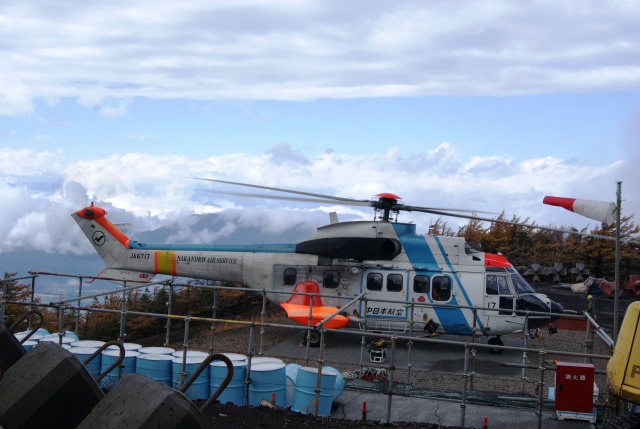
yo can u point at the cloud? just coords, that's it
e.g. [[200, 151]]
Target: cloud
[[255, 50], [15, 96], [283, 153], [150, 192]]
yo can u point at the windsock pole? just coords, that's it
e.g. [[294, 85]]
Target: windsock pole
[[603, 212]]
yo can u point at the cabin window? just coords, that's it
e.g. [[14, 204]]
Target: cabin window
[[497, 285], [421, 284], [441, 290], [290, 276], [331, 279], [374, 281], [394, 283]]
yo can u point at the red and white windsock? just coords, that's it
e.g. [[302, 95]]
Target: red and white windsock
[[597, 210]]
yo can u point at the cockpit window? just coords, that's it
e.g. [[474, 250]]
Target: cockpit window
[[520, 283], [497, 285], [469, 249]]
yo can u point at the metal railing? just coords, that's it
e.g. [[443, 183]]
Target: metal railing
[[469, 348]]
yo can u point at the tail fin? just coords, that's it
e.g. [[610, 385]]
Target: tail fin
[[111, 244]]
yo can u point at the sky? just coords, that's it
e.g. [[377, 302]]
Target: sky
[[479, 105]]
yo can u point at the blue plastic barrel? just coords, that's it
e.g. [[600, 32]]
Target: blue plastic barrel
[[263, 359], [71, 334], [35, 337], [235, 356], [127, 347], [234, 392], [128, 366], [155, 366], [304, 397], [339, 387], [291, 369], [199, 389], [55, 338], [156, 350], [28, 345], [83, 353], [268, 379], [190, 354], [88, 343]]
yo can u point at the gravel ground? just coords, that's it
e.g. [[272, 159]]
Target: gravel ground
[[235, 338]]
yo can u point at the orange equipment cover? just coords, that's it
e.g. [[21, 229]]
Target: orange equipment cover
[[297, 308]]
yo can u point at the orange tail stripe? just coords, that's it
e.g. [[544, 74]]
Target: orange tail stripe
[[111, 228]]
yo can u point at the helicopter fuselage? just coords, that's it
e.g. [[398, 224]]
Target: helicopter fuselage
[[409, 281]]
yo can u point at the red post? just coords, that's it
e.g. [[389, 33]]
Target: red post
[[364, 410], [273, 398], [485, 423]]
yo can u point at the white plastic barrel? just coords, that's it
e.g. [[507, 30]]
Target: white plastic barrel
[[291, 369]]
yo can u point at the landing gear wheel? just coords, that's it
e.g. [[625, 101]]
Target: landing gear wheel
[[496, 341], [313, 337]]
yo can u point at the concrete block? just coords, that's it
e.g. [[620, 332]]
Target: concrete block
[[48, 387], [10, 348], [139, 402]]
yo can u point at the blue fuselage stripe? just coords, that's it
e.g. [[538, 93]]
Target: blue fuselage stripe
[[422, 258], [460, 286], [251, 248]]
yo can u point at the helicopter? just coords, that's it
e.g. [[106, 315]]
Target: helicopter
[[427, 283]]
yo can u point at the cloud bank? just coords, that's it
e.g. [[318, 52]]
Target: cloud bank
[[105, 54], [41, 190]]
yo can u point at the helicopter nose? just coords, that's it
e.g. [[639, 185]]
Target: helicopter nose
[[535, 303], [557, 309]]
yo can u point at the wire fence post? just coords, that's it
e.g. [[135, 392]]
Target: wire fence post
[[263, 313], [214, 312], [465, 378], [316, 406], [79, 304], [123, 313], [169, 304], [392, 369], [541, 386]]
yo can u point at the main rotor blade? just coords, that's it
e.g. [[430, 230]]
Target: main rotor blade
[[430, 209], [441, 212], [286, 198], [526, 225], [321, 198], [269, 188]]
